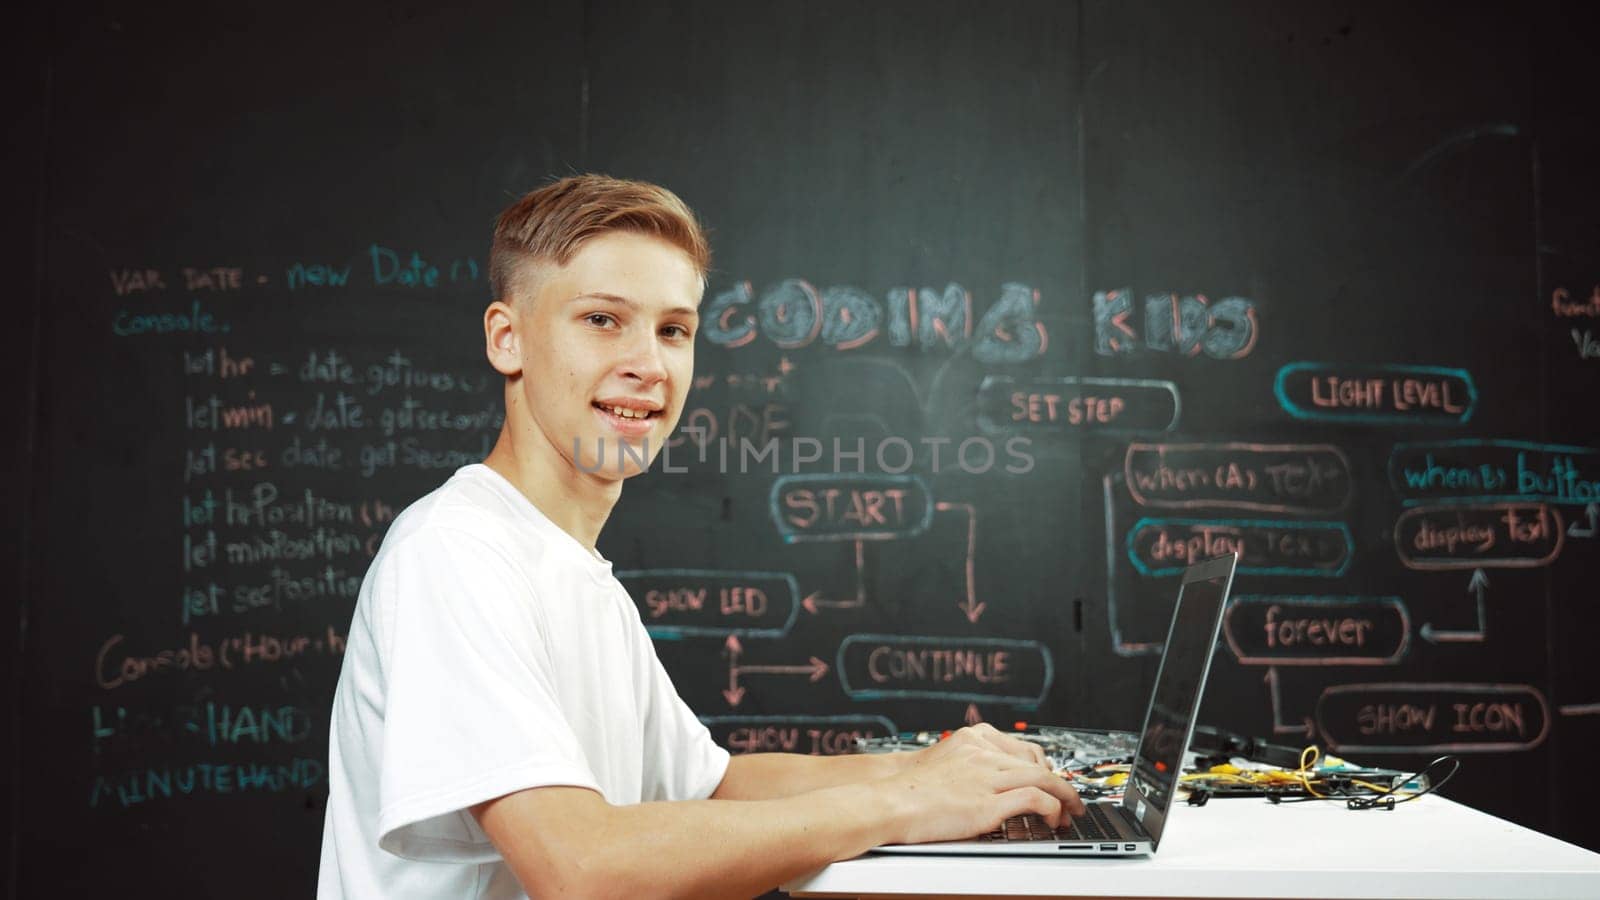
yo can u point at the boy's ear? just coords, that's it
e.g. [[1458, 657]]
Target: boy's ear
[[501, 342]]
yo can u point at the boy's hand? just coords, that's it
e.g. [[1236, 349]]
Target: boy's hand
[[985, 736], [972, 781]]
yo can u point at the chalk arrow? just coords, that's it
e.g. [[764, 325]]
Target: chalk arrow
[[816, 668], [734, 693], [1478, 584], [1118, 645], [1307, 728], [969, 604], [973, 716], [817, 599], [1593, 512]]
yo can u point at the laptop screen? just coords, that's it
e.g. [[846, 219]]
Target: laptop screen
[[1170, 719]]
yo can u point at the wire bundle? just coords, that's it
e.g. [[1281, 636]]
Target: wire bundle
[[1303, 784]]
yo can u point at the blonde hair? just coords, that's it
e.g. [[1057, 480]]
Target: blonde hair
[[551, 223]]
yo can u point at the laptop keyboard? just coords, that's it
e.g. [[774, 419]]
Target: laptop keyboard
[[1095, 825]]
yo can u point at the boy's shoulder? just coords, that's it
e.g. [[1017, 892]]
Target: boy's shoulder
[[474, 505]]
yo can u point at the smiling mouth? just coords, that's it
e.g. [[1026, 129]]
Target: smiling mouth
[[623, 412]]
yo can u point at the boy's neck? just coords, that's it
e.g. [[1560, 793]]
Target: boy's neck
[[577, 502]]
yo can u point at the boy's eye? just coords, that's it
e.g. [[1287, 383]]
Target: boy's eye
[[598, 319]]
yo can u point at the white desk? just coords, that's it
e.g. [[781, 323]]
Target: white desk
[[1430, 848]]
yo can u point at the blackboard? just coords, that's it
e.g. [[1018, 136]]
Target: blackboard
[[1093, 288]]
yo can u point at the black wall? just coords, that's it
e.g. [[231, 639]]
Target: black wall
[[1207, 218]]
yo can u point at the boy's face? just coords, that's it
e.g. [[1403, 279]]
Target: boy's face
[[607, 351]]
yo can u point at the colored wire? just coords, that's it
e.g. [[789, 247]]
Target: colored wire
[[1384, 797], [1305, 764]]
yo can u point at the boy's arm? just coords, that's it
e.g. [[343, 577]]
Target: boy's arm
[[769, 776], [570, 841]]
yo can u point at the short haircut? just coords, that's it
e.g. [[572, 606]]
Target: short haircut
[[551, 223]]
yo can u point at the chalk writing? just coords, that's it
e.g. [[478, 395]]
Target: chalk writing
[[213, 414], [303, 275], [814, 735], [211, 724], [413, 454], [1565, 306], [1376, 394], [850, 507], [1292, 630], [114, 669], [134, 281], [412, 415], [1587, 345], [792, 314], [318, 545], [213, 278], [1495, 535], [253, 541], [1432, 718], [409, 452], [195, 319], [1285, 478], [1073, 404], [280, 587], [1185, 326], [138, 786], [709, 602], [1476, 470], [394, 371], [264, 505], [216, 362], [387, 268], [878, 666], [720, 426], [1165, 546]]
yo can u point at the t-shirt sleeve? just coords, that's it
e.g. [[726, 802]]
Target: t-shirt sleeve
[[687, 763], [470, 711]]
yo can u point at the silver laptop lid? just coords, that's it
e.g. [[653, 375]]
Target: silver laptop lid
[[1175, 701]]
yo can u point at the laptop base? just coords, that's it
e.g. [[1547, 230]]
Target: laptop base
[[1127, 842]]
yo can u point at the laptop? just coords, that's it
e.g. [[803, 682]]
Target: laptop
[[1132, 826]]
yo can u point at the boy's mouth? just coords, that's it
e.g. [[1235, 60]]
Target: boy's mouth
[[626, 412]]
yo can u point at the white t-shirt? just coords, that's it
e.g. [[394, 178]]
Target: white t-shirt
[[490, 652]]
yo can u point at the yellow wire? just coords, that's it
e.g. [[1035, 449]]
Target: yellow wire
[[1308, 757], [1399, 792]]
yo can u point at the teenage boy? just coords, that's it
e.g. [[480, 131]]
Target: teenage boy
[[501, 723]]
